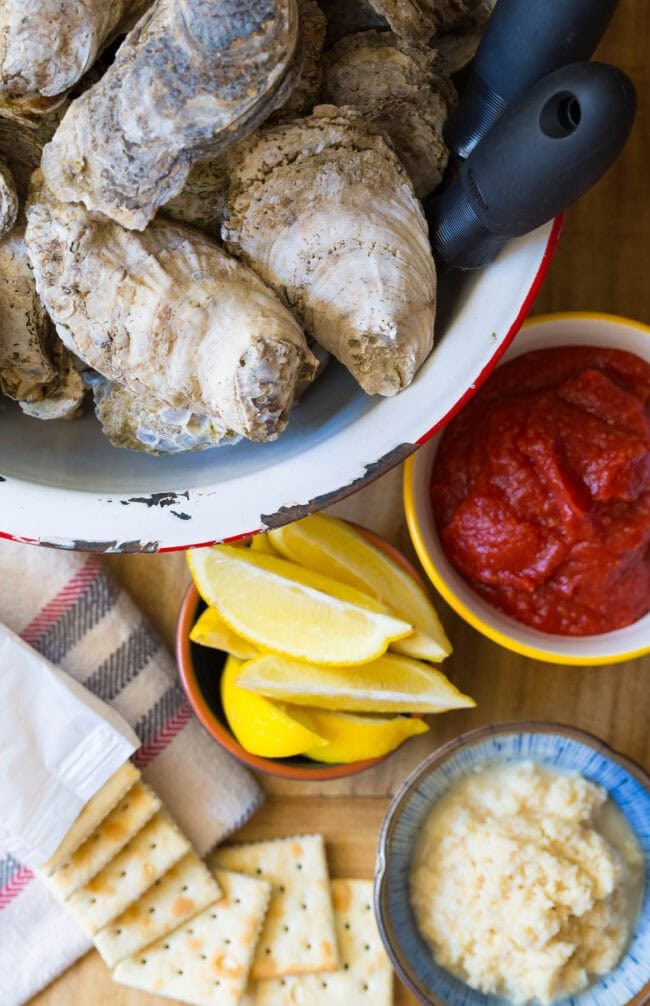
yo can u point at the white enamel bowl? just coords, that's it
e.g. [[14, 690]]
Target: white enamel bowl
[[63, 484], [586, 329]]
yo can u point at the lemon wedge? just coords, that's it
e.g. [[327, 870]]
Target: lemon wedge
[[211, 630], [351, 737], [263, 727], [329, 545], [288, 615], [391, 684], [261, 543]]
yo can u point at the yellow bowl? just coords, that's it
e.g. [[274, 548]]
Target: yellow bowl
[[570, 329]]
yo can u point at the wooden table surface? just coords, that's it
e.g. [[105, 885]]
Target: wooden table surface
[[601, 265]]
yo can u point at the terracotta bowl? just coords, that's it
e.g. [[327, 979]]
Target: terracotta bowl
[[570, 329], [559, 748], [63, 484], [200, 670]]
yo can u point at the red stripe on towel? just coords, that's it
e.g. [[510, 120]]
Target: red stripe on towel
[[144, 755], [18, 882], [53, 610]]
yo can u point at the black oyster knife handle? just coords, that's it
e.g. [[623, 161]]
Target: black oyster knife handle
[[523, 41], [538, 159]]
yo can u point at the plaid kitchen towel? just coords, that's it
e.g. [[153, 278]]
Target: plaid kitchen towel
[[67, 607]]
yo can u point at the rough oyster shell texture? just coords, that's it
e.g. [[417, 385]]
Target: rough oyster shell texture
[[8, 200], [174, 95], [47, 45], [403, 88], [418, 20], [168, 312], [142, 422], [324, 212]]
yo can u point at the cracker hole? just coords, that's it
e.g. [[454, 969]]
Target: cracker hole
[[122, 873], [283, 981], [166, 946], [323, 985], [118, 932], [217, 982], [153, 845], [267, 950], [307, 946], [367, 908], [143, 960], [238, 901], [286, 929], [213, 915], [258, 872], [298, 866], [364, 987], [347, 925], [125, 806], [304, 907], [93, 900], [282, 888], [152, 910], [226, 940], [366, 946], [190, 932], [203, 957], [179, 972], [346, 967], [184, 887], [66, 866]]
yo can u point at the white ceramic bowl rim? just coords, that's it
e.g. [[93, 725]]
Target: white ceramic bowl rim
[[576, 328], [62, 484]]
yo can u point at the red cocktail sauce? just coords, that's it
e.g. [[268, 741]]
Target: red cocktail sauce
[[541, 489]]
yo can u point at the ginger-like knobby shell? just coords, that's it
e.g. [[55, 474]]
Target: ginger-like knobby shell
[[34, 370], [8, 200], [403, 88], [142, 422], [190, 79], [418, 20], [46, 46], [324, 212], [169, 312]]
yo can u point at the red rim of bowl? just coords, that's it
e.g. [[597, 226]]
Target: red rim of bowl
[[221, 734]]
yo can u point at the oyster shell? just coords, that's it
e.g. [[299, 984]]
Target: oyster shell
[[169, 312], [142, 422], [34, 368], [403, 88], [418, 20], [46, 46], [324, 212], [190, 79], [8, 200]]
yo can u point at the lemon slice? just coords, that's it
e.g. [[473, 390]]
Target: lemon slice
[[261, 543], [211, 630], [391, 684], [287, 616], [351, 737], [263, 727], [329, 545]]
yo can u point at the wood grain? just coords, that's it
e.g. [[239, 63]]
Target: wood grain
[[600, 265]]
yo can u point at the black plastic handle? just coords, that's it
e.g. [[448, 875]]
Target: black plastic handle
[[523, 41], [538, 159]]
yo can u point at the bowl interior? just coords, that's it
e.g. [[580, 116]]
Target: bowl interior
[[64, 484], [565, 750], [608, 647]]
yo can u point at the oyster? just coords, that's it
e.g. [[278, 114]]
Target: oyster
[[202, 200], [33, 368], [403, 88], [169, 312], [306, 91], [8, 200], [347, 17], [142, 422], [324, 212], [190, 79], [458, 47], [418, 20], [46, 46]]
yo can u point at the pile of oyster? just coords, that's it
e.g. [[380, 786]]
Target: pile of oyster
[[200, 200]]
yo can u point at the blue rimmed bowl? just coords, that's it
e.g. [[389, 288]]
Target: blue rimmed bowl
[[557, 747]]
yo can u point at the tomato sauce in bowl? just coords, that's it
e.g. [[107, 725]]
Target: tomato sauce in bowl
[[541, 489]]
